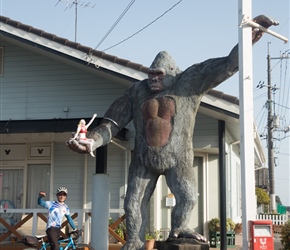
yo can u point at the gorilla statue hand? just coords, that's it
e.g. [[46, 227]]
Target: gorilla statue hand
[[264, 21], [74, 145]]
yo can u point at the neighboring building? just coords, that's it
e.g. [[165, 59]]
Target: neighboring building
[[288, 212], [262, 178], [48, 83]]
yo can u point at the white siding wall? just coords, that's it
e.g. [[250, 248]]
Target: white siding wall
[[69, 172], [117, 170], [36, 87], [205, 132], [213, 187]]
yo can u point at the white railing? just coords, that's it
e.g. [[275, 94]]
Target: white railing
[[277, 219], [32, 226]]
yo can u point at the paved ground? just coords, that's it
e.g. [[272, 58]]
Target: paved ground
[[277, 242]]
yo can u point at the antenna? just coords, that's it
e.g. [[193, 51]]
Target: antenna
[[76, 3]]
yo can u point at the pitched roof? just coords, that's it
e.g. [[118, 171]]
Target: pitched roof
[[97, 53]]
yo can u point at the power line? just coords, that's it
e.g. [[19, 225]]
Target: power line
[[285, 107], [143, 27], [115, 24]]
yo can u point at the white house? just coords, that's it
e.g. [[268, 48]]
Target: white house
[[48, 83]]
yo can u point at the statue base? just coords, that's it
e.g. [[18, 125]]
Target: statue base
[[181, 244]]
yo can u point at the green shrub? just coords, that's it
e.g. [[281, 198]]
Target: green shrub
[[263, 197], [214, 224], [153, 235], [120, 229], [285, 236]]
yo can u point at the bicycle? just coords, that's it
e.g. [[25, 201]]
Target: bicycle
[[69, 243]]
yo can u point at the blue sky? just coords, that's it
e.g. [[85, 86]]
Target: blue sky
[[191, 32]]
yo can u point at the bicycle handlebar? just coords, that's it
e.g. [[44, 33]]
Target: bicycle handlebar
[[76, 233]]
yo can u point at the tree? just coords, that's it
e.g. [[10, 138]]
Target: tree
[[262, 197]]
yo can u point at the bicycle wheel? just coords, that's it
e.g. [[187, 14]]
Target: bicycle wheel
[[84, 247]]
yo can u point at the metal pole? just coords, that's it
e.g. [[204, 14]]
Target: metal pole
[[100, 211], [223, 192], [246, 121], [270, 140]]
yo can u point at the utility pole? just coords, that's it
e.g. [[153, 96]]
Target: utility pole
[[270, 125]]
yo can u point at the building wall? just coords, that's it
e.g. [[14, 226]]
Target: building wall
[[205, 132], [36, 87], [213, 187], [69, 172], [68, 169]]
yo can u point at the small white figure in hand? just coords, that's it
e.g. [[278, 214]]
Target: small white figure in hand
[[81, 132]]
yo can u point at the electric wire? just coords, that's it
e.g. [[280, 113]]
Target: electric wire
[[281, 105], [287, 89], [115, 24], [134, 34], [256, 98], [262, 119]]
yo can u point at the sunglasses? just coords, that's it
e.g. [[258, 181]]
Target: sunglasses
[[61, 194]]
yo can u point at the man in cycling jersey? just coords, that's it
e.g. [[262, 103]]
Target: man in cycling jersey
[[56, 210]]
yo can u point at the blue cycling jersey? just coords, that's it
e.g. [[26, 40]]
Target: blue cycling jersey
[[56, 211]]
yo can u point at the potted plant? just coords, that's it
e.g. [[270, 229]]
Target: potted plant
[[150, 238]]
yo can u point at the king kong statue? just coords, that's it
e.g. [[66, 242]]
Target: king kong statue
[[163, 109]]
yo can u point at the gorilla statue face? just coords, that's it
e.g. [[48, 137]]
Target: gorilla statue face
[[162, 72], [155, 79]]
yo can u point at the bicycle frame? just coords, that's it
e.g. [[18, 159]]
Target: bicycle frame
[[69, 241]]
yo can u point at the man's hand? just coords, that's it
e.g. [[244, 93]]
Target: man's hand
[[264, 21], [42, 194], [75, 146]]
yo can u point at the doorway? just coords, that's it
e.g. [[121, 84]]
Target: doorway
[[38, 179], [197, 215]]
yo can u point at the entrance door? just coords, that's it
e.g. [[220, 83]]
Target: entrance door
[[38, 180], [11, 186], [196, 220]]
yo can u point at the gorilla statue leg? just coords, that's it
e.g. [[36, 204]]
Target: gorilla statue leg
[[183, 186], [141, 185]]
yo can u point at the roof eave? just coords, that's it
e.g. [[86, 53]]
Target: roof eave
[[85, 55]]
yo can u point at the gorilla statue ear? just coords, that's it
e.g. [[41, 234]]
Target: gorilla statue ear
[[164, 60]]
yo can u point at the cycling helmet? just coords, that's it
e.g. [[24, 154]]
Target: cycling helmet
[[62, 189]]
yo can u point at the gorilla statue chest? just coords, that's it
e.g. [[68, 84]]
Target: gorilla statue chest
[[158, 114]]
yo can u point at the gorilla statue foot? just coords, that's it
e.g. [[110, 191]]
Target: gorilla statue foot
[[187, 233], [134, 245]]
